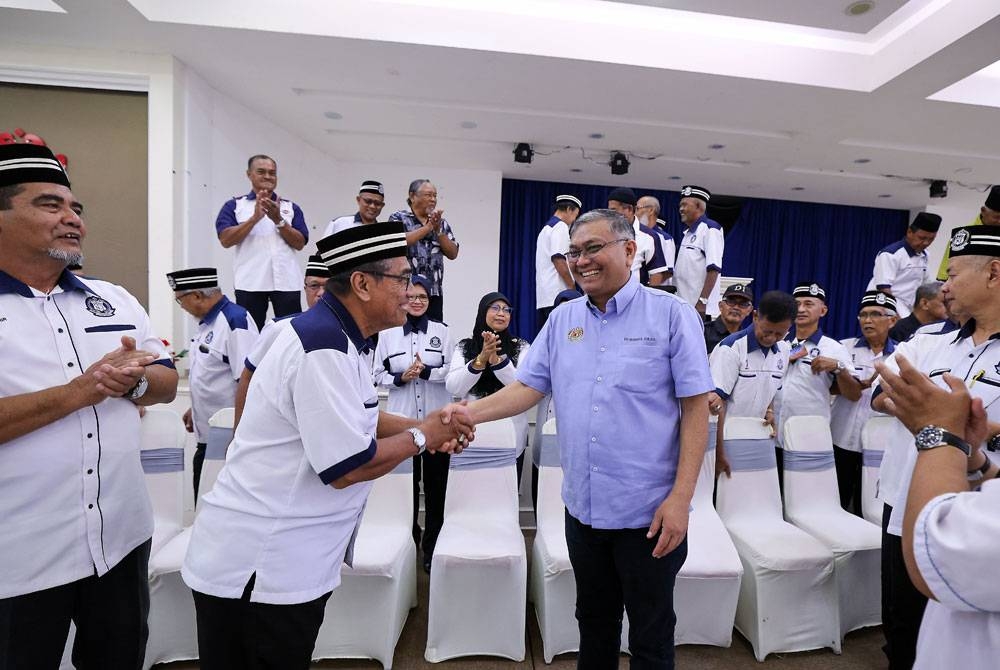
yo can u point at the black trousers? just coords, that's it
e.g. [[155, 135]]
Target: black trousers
[[110, 614], [196, 464], [242, 635], [435, 308], [902, 604], [433, 469], [848, 464], [255, 302], [615, 569]]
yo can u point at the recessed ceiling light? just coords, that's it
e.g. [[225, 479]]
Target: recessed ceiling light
[[862, 161], [859, 8], [885, 195], [798, 188], [674, 178], [469, 125], [333, 115], [597, 136], [392, 72], [965, 170], [716, 146], [575, 170]]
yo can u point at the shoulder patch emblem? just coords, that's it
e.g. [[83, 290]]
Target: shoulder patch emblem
[[98, 306], [575, 335]]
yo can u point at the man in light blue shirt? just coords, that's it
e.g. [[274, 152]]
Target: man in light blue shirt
[[629, 377]]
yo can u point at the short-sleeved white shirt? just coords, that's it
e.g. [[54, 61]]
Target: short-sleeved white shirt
[[804, 393], [700, 250], [263, 260], [552, 244], [343, 223], [666, 244], [397, 349], [218, 353], [746, 375], [956, 541], [272, 328], [901, 270], [72, 495], [310, 418], [649, 258], [848, 418]]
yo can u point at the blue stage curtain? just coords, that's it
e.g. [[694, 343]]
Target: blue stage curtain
[[776, 242]]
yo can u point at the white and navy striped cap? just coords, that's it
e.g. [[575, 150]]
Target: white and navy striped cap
[[356, 246], [371, 186], [569, 200], [809, 289], [194, 278], [30, 163], [975, 241], [699, 192], [315, 267]]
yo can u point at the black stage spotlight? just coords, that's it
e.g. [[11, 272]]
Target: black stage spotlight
[[939, 188], [619, 163], [523, 153]]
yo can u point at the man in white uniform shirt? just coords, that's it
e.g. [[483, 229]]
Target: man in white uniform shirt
[[901, 267], [647, 211], [267, 546], [78, 356], [648, 261], [552, 274], [267, 231], [699, 257], [371, 200], [226, 333]]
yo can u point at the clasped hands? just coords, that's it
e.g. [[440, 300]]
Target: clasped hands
[[490, 354], [115, 374], [412, 372]]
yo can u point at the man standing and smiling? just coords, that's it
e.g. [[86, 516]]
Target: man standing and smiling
[[629, 377]]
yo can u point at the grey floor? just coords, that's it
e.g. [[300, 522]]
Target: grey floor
[[861, 650]]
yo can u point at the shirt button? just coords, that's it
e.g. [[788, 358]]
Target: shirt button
[[90, 471], [60, 330], [604, 321], [70, 364], [90, 506], [972, 355], [600, 379], [604, 348], [595, 408], [593, 439], [594, 468], [90, 435]]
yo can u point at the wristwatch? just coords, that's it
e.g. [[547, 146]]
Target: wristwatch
[[932, 437], [703, 301], [840, 367], [993, 444], [139, 389], [281, 223], [418, 439]]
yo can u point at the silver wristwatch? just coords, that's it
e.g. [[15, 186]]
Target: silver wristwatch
[[932, 437], [418, 439], [139, 389]]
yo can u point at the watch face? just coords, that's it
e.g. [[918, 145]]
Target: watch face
[[929, 437]]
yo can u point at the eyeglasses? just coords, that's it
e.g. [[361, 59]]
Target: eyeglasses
[[402, 280], [369, 202], [591, 250], [314, 285], [737, 302], [418, 298], [874, 316], [179, 299], [501, 309]]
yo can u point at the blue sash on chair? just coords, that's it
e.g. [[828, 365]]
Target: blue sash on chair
[[169, 459], [477, 458], [808, 461], [547, 453], [872, 458], [750, 455], [218, 443]]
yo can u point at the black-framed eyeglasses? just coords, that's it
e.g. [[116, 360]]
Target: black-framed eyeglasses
[[591, 249], [402, 280], [418, 298], [179, 299], [373, 203], [501, 309]]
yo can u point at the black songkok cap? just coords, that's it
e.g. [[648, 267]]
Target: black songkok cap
[[30, 163], [699, 192], [569, 200], [926, 221], [356, 246], [623, 195], [975, 241], [195, 278], [877, 299], [315, 267], [809, 289], [372, 187], [993, 199]]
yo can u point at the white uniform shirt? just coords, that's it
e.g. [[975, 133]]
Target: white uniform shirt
[[462, 377], [700, 250], [218, 353], [804, 393], [552, 244], [935, 355], [343, 223], [648, 253], [264, 261], [745, 375], [72, 494], [956, 541], [310, 418], [397, 349], [847, 418], [901, 270], [272, 328], [666, 244]]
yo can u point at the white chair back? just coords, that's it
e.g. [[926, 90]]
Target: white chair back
[[752, 491], [550, 509], [161, 440], [482, 479], [874, 436], [220, 434], [810, 476]]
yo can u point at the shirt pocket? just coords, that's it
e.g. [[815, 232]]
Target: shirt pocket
[[432, 357], [642, 367]]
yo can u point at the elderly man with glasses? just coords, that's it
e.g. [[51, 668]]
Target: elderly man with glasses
[[370, 199], [735, 306]]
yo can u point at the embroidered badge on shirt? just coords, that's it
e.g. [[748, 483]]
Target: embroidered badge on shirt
[[435, 341], [814, 352], [210, 337], [781, 364], [575, 335], [98, 306]]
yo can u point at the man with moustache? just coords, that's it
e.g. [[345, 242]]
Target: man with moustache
[[735, 306]]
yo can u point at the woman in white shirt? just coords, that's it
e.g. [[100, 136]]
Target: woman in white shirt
[[486, 362]]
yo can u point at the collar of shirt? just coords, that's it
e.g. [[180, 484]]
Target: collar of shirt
[[67, 282], [890, 345], [214, 312], [418, 324], [968, 329], [620, 300], [357, 217], [361, 343], [814, 338], [754, 345], [694, 226], [911, 251]]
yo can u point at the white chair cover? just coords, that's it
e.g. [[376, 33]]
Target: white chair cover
[[788, 597], [173, 633], [366, 613], [162, 443], [479, 570], [812, 503], [708, 585], [874, 437]]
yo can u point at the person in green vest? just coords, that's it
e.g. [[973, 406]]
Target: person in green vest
[[989, 215]]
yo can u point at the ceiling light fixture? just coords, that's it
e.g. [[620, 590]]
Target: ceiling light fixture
[[859, 8], [716, 146], [885, 195], [523, 153], [862, 161], [576, 170], [333, 115], [597, 136], [798, 188], [619, 163], [939, 188], [469, 125]]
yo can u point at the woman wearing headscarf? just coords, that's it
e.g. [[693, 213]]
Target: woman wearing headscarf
[[486, 362]]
